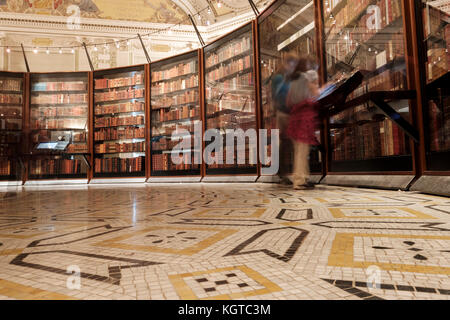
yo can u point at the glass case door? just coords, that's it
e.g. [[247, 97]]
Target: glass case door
[[175, 110], [119, 122], [436, 27], [59, 114], [367, 36], [230, 105], [11, 115], [290, 28]]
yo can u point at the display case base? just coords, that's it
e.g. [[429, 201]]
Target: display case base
[[56, 182], [174, 179], [393, 182], [439, 185], [315, 178], [230, 178], [10, 183], [117, 181]]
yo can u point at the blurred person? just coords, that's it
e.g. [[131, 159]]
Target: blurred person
[[304, 118], [280, 89]]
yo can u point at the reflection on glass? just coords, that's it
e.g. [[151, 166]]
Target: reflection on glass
[[290, 28], [58, 112], [175, 106], [119, 126], [11, 112], [366, 35], [230, 96]]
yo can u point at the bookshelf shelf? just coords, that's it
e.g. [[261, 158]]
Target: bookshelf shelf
[[119, 122], [179, 78]]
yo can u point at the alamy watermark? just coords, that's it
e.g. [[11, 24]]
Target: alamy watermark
[[230, 141]]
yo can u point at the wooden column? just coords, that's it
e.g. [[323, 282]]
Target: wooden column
[[321, 54], [202, 88], [415, 62], [257, 77], [91, 120], [148, 119]]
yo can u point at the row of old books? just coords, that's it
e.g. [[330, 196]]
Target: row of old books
[[248, 157], [59, 86], [136, 106], [46, 135], [119, 121], [242, 103], [10, 124], [119, 95], [229, 69], [439, 124], [181, 113], [230, 121], [167, 130], [175, 85], [9, 150], [59, 98], [68, 124], [233, 49], [176, 71], [163, 162], [369, 141], [75, 111], [56, 167], [185, 97], [119, 134], [119, 165], [120, 147], [11, 112], [167, 144], [5, 167], [77, 148], [10, 84], [136, 79], [9, 137], [10, 98]]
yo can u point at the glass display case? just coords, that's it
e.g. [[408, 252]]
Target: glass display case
[[175, 109], [230, 104], [119, 122], [11, 120], [436, 29], [59, 106], [287, 27], [368, 36]]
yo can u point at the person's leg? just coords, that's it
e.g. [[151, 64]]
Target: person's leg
[[284, 150], [301, 164]]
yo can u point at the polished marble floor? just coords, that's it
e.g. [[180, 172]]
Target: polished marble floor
[[222, 241]]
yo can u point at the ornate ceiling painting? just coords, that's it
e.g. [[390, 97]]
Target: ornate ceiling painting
[[159, 11]]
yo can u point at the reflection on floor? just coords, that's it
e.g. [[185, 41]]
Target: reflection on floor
[[233, 241]]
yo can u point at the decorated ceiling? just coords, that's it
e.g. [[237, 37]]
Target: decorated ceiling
[[160, 11]]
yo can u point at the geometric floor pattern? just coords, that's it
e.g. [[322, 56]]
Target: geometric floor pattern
[[222, 241]]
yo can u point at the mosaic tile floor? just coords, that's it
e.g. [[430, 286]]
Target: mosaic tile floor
[[213, 241]]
